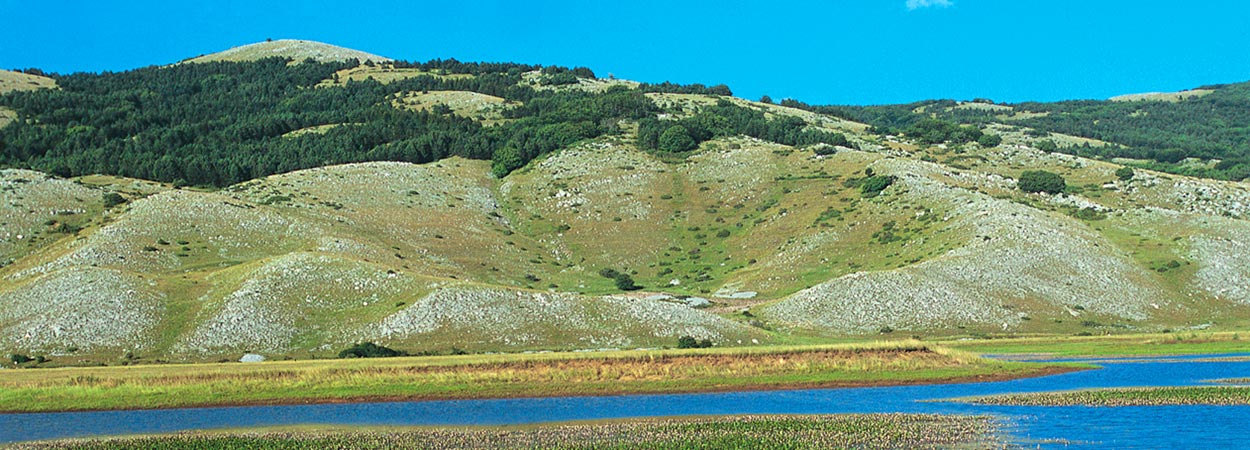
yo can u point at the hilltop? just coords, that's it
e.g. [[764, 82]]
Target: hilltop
[[503, 207], [20, 81], [297, 50]]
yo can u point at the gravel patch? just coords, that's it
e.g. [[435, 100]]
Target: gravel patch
[[85, 308], [522, 319], [222, 228], [28, 200], [300, 295], [601, 179]]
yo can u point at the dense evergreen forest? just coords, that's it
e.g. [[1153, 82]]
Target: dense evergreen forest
[[220, 123], [215, 124]]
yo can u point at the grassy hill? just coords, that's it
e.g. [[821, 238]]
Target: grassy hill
[[297, 50], [1199, 132], [19, 81], [751, 235]]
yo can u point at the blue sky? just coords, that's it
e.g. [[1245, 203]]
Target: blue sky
[[830, 51]]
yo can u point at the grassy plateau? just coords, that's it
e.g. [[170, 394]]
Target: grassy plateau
[[500, 376], [756, 432]]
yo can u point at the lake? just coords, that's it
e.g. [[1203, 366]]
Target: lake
[[1154, 427]]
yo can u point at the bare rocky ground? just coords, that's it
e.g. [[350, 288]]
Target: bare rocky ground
[[82, 309], [508, 319], [31, 205]]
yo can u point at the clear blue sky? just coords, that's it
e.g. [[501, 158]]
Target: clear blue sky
[[830, 51]]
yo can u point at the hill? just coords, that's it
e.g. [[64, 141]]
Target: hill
[[20, 81], [293, 49], [1199, 132], [496, 207]]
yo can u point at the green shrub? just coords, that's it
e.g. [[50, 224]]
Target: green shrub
[[370, 350], [676, 139], [937, 131], [691, 342], [824, 149], [112, 199], [1088, 214], [20, 359], [1125, 173], [625, 283], [1041, 181], [559, 79], [873, 185], [608, 273], [990, 140]]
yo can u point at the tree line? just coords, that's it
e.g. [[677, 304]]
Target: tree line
[[221, 123]]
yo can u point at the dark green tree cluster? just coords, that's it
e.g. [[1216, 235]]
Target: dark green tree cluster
[[557, 120], [370, 350], [691, 342], [727, 119], [874, 184], [622, 280], [1035, 181], [557, 76], [937, 131], [674, 88], [988, 140]]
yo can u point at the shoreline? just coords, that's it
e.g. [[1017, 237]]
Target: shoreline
[[1041, 371], [766, 431]]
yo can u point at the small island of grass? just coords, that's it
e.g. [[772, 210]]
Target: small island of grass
[[1144, 396]]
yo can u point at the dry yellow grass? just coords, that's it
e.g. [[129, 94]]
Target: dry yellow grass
[[383, 73], [484, 108], [534, 79], [493, 376], [689, 104], [982, 106], [297, 50], [7, 116], [1171, 97], [17, 81], [316, 129]]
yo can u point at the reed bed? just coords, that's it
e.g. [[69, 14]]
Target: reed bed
[[491, 376], [876, 431], [1178, 343], [1232, 381]]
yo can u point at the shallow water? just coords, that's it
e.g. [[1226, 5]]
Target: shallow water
[[1154, 427]]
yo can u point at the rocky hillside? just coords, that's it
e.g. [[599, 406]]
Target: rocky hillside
[[740, 240]]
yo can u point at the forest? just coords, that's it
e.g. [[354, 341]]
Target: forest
[[1161, 135], [216, 124]]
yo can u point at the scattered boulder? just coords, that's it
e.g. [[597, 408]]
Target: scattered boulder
[[252, 358]]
